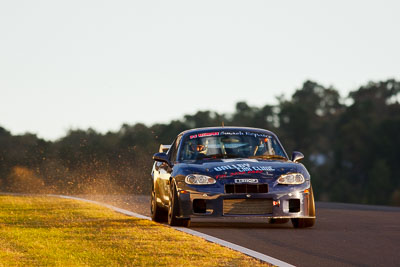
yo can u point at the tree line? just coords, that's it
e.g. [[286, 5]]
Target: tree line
[[350, 145]]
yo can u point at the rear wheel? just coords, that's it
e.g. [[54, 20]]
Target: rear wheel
[[306, 222], [158, 214], [173, 209]]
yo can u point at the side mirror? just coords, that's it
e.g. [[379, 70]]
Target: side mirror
[[162, 157], [296, 156]]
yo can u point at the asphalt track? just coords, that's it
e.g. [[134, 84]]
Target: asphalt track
[[344, 235]]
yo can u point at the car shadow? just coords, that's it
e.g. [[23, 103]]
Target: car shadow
[[250, 223]]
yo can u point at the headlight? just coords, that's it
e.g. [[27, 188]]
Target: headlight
[[291, 178], [199, 179]]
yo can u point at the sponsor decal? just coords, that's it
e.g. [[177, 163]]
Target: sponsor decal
[[244, 133], [236, 174], [208, 134], [243, 167], [241, 173], [230, 133], [246, 181], [258, 134]]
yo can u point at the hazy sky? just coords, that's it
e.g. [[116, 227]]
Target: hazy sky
[[80, 64]]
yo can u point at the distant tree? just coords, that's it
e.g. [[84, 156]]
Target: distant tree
[[203, 119], [244, 114], [369, 133], [350, 150]]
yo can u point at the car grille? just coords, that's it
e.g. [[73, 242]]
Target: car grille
[[247, 206], [246, 188]]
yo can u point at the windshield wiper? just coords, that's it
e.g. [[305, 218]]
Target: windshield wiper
[[219, 156], [268, 157], [214, 156]]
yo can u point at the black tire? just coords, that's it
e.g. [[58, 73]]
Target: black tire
[[173, 209], [306, 222], [278, 221], [158, 214]]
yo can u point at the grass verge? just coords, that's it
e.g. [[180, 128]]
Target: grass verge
[[42, 231]]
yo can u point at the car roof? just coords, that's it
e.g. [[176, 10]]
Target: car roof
[[223, 128]]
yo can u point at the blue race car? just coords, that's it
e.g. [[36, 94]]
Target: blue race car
[[230, 171]]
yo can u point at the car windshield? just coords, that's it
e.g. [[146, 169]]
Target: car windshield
[[233, 144]]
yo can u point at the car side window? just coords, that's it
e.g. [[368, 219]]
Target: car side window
[[172, 153]]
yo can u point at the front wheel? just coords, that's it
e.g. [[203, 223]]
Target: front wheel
[[303, 222], [173, 209], [278, 221], [158, 214]]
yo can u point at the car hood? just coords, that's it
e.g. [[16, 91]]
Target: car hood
[[255, 168]]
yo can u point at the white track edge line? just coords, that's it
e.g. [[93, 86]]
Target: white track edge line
[[249, 252]]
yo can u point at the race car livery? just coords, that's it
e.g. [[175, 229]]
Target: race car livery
[[230, 171]]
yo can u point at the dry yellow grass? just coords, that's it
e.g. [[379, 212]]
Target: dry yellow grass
[[42, 231]]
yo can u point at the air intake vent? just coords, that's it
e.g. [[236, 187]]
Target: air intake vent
[[246, 188], [247, 206], [294, 205]]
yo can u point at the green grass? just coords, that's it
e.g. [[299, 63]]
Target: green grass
[[46, 231]]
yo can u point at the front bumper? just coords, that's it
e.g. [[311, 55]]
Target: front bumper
[[293, 204]]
